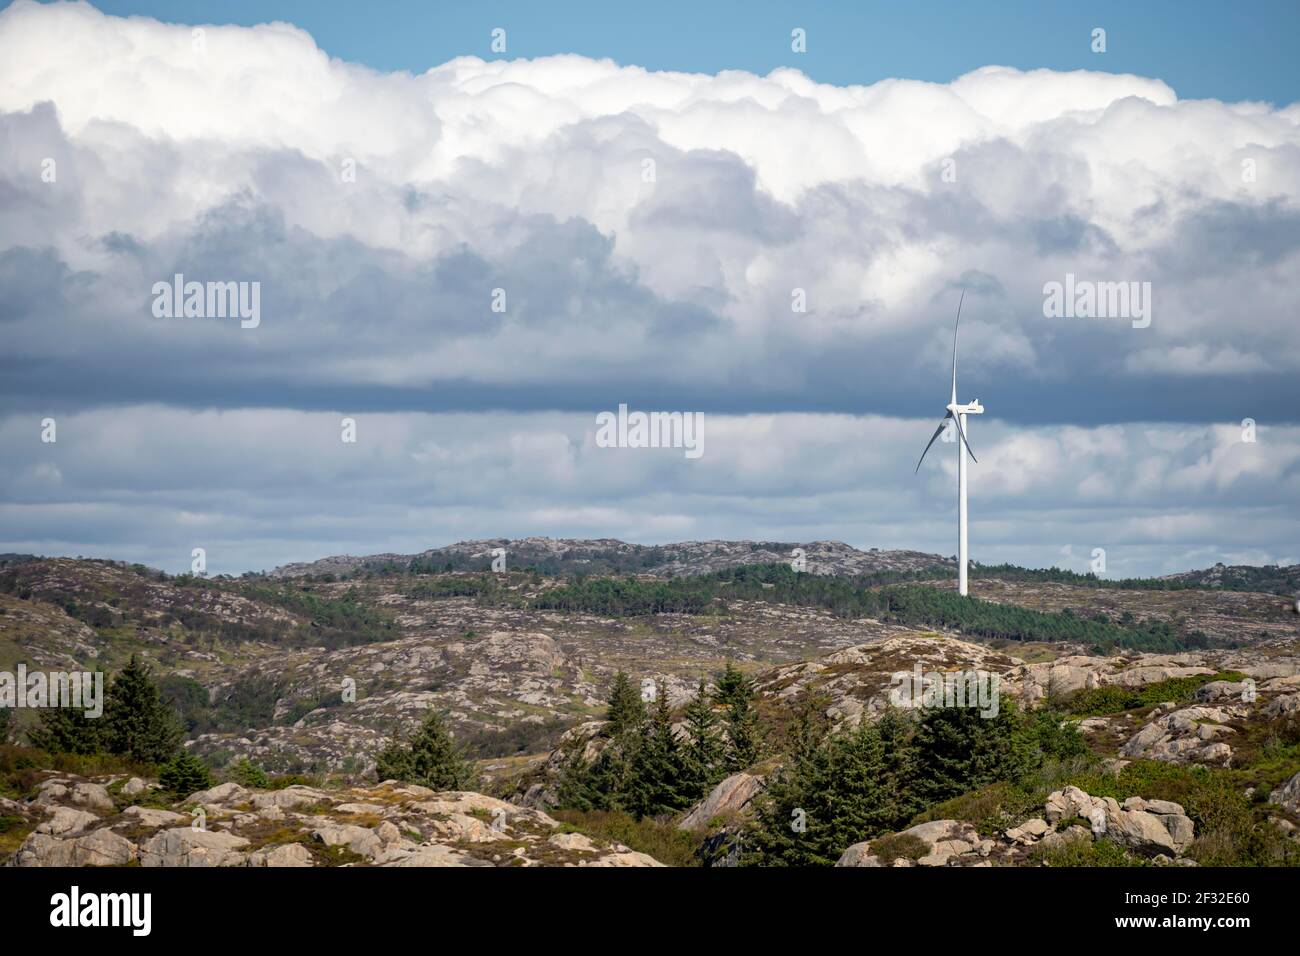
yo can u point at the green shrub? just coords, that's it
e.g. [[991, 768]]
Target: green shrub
[[185, 774], [660, 839], [248, 774], [1083, 850], [897, 846], [1114, 699]]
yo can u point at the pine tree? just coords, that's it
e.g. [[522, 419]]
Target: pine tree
[[6, 724], [626, 712], [137, 722], [704, 753], [431, 759], [185, 774]]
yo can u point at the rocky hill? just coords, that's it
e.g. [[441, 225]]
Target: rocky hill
[[610, 556]]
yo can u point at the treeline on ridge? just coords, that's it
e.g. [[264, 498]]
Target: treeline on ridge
[[916, 605]]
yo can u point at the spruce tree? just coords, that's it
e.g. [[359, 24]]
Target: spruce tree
[[658, 783], [704, 753], [137, 722], [958, 750], [431, 759], [626, 712], [610, 778], [785, 810], [834, 790], [573, 788], [68, 731], [744, 738], [185, 774]]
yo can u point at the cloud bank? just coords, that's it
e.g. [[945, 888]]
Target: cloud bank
[[476, 260]]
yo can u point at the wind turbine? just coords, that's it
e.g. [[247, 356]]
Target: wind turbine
[[958, 414]]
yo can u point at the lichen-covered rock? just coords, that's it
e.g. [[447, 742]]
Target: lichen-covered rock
[[730, 796], [390, 824], [67, 820], [187, 846], [97, 848], [1288, 795]]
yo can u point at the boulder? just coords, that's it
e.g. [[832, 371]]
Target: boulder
[[946, 839], [288, 854], [89, 796], [186, 846], [359, 840], [1140, 830], [134, 787], [97, 848], [1029, 831], [858, 855], [1288, 795], [222, 793], [67, 820], [150, 817], [729, 796]]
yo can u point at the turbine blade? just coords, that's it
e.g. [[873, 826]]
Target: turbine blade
[[937, 432], [957, 421], [955, 326]]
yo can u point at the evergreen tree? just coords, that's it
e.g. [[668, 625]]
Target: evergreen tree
[[431, 759], [731, 683], [248, 774], [66, 730], [573, 788], [658, 772], [744, 738], [833, 791], [185, 774], [704, 753], [778, 835], [899, 762], [610, 779], [6, 724], [626, 712], [137, 722], [959, 750]]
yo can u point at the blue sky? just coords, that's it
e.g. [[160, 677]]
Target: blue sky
[[1202, 48], [779, 247]]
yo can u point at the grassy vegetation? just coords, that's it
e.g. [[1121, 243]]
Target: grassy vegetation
[[1231, 828], [899, 846], [660, 838], [1083, 850], [1114, 699], [21, 768]]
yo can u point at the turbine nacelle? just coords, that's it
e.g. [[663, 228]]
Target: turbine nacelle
[[971, 408]]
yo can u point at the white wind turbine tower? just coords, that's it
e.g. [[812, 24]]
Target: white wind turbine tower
[[958, 414]]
